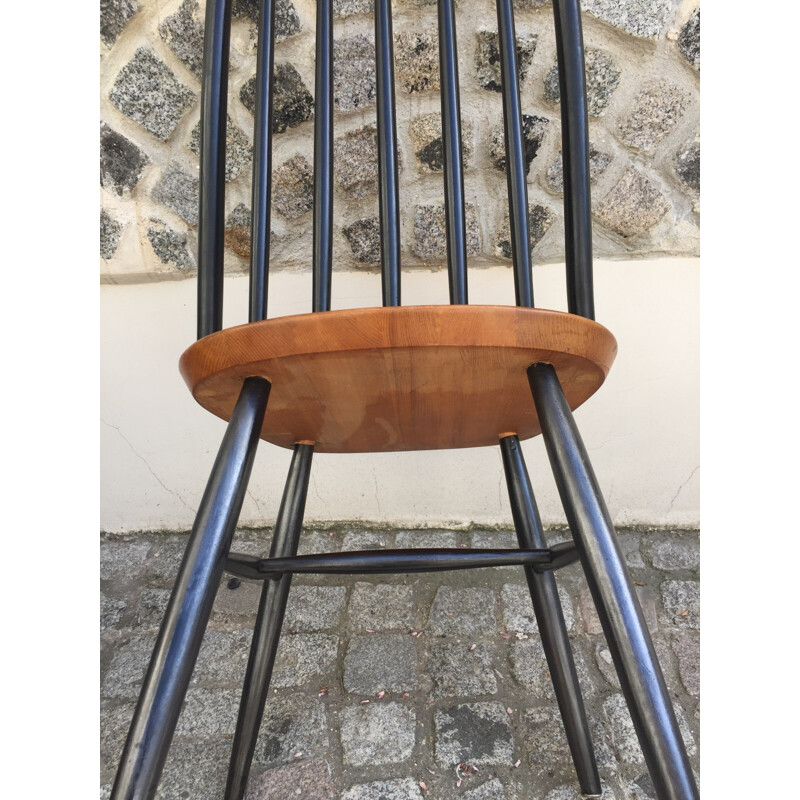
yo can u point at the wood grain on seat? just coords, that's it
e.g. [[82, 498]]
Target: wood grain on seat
[[407, 378]]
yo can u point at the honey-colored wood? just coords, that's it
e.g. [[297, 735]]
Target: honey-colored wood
[[409, 378]]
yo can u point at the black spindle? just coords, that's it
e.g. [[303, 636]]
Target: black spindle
[[575, 155], [213, 114]]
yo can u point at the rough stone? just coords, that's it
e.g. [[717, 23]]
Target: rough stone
[[689, 40], [400, 789], [686, 646], [293, 187], [209, 712], [487, 58], [430, 233], [110, 232], [179, 191], [148, 92], [381, 606], [571, 792], [632, 206], [656, 111], [670, 551], [644, 18], [170, 246], [122, 561], [602, 79], [111, 611], [364, 237], [124, 676], [314, 608], [377, 733], [151, 608], [287, 22], [416, 62], [530, 669], [416, 539], [292, 724], [460, 611], [540, 218], [687, 165], [307, 779], [518, 613], [114, 723], [426, 138], [349, 8], [183, 34], [380, 662], [353, 73], [554, 177], [355, 162], [292, 103], [238, 150], [302, 657], [458, 671], [237, 230], [533, 131], [195, 769], [476, 733], [491, 790], [114, 16], [530, 3], [365, 540], [545, 742], [223, 657], [679, 598], [121, 161]]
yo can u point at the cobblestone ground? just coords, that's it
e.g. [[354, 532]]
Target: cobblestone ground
[[384, 684]]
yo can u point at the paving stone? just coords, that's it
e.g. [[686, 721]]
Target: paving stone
[[292, 103], [518, 614], [644, 18], [165, 560], [630, 543], [476, 733], [170, 246], [571, 792], [381, 606], [317, 542], [180, 191], [223, 657], [463, 612], [380, 662], [687, 165], [121, 161], [364, 237], [633, 205], [151, 608], [293, 187], [378, 733], [554, 177], [602, 79], [353, 73], [237, 230], [114, 723], [148, 92], [110, 232], [209, 712], [307, 779], [348, 8], [292, 724], [182, 32], [642, 788], [426, 138], [355, 162], [533, 131], [605, 664], [545, 743], [430, 235], [122, 561], [689, 40], [491, 790], [686, 646], [458, 671], [530, 669], [314, 608], [111, 611], [669, 551], [490, 540], [487, 58], [238, 150], [540, 218], [236, 604], [656, 111], [287, 22], [303, 657], [679, 598], [114, 16], [416, 62], [400, 789], [591, 621], [365, 540], [128, 665], [195, 769], [416, 539]]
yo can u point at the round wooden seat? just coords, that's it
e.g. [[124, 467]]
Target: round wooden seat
[[402, 378]]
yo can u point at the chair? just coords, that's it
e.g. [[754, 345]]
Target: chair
[[399, 378]]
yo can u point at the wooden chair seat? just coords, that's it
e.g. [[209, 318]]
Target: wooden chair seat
[[399, 378]]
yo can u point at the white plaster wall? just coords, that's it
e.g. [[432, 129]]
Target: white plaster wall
[[641, 429]]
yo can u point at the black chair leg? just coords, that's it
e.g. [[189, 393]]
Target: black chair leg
[[550, 618], [613, 592], [192, 598], [268, 623]]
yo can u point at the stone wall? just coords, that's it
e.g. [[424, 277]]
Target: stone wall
[[643, 62]]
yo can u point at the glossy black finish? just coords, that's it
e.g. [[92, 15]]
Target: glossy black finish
[[516, 168], [388, 197], [213, 115], [323, 159], [190, 604], [575, 154], [550, 618], [268, 623], [262, 163], [453, 156], [391, 561], [613, 592]]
